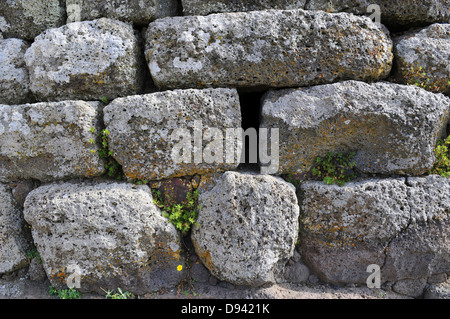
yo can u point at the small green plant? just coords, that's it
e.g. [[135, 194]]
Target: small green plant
[[33, 253], [335, 168], [65, 293], [118, 295], [112, 167], [442, 164], [415, 75], [182, 216], [104, 100]]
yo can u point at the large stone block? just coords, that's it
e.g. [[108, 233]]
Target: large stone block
[[26, 19], [14, 79], [399, 225], [247, 227], [48, 141], [174, 133], [395, 14], [392, 128], [140, 12], [87, 61], [423, 58], [13, 243], [111, 234], [260, 49], [205, 7]]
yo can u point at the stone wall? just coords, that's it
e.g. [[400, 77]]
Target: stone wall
[[105, 105]]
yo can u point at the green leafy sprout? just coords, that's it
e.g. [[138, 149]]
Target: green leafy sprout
[[112, 167], [65, 293], [442, 164], [335, 168], [118, 295], [182, 216]]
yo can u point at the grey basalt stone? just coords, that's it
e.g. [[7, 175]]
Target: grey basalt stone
[[165, 134], [26, 19], [13, 243], [111, 234], [391, 128], [86, 60], [260, 49], [205, 7], [423, 58], [395, 14], [49, 140], [246, 228], [140, 12], [400, 225], [14, 79]]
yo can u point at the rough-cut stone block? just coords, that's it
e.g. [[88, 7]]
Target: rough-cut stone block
[[87, 61], [423, 58], [400, 225], [111, 234], [140, 12], [392, 128], [174, 133], [14, 79], [205, 7], [47, 141], [247, 228], [395, 14], [13, 242], [271, 48], [26, 19]]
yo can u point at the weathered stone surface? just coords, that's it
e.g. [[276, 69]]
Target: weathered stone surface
[[47, 141], [392, 128], [111, 232], [205, 7], [26, 19], [370, 211], [400, 226], [12, 240], [439, 291], [403, 14], [87, 61], [423, 58], [271, 48], [247, 228], [14, 79], [417, 254], [140, 12], [146, 130]]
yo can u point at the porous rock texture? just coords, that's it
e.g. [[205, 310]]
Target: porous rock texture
[[86, 60], [392, 128], [112, 233], [247, 227], [423, 58], [26, 19], [139, 12], [401, 225], [205, 7], [146, 130], [14, 79], [395, 14], [49, 140], [13, 244], [260, 49]]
